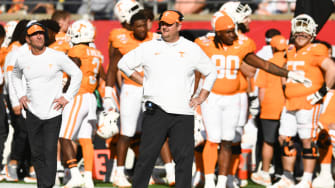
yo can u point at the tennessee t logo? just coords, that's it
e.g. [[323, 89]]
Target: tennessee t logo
[[181, 54]]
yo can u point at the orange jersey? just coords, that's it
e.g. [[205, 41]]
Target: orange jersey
[[91, 60], [126, 45], [117, 37], [306, 61], [274, 99], [227, 60], [327, 116], [61, 43]]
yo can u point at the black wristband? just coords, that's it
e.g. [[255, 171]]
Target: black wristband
[[323, 90]]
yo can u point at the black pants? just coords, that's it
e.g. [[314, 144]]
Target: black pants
[[4, 127], [156, 128], [20, 145], [43, 136]]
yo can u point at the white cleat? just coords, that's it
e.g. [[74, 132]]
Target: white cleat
[[171, 179], [283, 183], [261, 178], [197, 179], [303, 184], [244, 183], [75, 182], [120, 180], [88, 183], [324, 180], [231, 183], [209, 181]]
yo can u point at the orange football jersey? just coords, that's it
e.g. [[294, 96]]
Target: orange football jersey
[[306, 61], [91, 60], [127, 44], [61, 43], [327, 116], [274, 99], [117, 37], [227, 60]]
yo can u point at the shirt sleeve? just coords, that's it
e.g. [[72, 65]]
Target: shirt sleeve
[[70, 68], [130, 61], [15, 80], [206, 68]]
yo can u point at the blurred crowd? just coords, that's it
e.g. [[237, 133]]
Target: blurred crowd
[[103, 9]]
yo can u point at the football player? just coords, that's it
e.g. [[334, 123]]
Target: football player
[[241, 16], [301, 112], [79, 116]]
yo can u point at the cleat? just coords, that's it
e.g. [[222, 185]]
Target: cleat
[[324, 180], [303, 184], [171, 179], [209, 181], [120, 180], [283, 183], [88, 183], [197, 179], [261, 178], [11, 173], [75, 182], [231, 182]]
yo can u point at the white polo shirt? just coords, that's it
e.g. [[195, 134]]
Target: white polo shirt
[[8, 68], [43, 74], [169, 72]]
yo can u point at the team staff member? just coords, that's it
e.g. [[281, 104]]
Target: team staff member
[[270, 87], [168, 99], [43, 100]]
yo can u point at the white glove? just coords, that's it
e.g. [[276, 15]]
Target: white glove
[[254, 106], [317, 96], [314, 98], [299, 78], [108, 104]]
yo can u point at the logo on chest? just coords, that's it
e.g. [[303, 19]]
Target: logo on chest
[[181, 53]]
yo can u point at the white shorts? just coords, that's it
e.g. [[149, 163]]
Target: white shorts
[[303, 122], [79, 116], [221, 114], [130, 109], [244, 109]]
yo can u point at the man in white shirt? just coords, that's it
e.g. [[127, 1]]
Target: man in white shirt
[[169, 64], [43, 68]]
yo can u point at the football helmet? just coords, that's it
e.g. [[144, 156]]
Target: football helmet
[[125, 9], [236, 10], [107, 124], [304, 23], [9, 28], [199, 130], [81, 31]]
